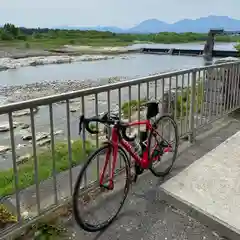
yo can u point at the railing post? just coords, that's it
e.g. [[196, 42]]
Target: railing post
[[192, 103]]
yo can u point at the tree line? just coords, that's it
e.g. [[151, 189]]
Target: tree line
[[10, 32]]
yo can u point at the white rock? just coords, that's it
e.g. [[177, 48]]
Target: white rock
[[41, 135], [58, 132], [43, 142], [23, 159], [25, 215], [4, 149], [26, 136], [4, 126], [24, 112]]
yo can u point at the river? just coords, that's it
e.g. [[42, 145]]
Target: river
[[132, 66], [136, 65]]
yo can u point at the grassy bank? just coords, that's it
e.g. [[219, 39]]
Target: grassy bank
[[11, 36], [184, 101], [134, 105], [45, 166], [182, 104], [238, 47]]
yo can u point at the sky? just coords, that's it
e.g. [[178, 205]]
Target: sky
[[120, 13]]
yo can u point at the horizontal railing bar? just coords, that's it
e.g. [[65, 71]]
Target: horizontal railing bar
[[94, 90]]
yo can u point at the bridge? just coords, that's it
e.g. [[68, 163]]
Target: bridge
[[157, 208]]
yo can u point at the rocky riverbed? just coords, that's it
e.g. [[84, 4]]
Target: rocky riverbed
[[16, 53], [11, 63], [45, 88], [12, 58]]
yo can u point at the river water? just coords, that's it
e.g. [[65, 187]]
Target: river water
[[134, 65]]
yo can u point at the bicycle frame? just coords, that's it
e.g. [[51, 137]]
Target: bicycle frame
[[116, 141]]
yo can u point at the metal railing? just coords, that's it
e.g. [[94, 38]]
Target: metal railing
[[42, 153]]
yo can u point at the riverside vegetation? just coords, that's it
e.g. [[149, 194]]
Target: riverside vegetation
[[12, 36], [48, 228], [181, 107], [238, 46]]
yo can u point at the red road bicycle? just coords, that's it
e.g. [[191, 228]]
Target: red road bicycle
[[119, 144]]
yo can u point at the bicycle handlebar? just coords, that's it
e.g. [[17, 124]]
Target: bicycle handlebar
[[86, 121], [122, 126]]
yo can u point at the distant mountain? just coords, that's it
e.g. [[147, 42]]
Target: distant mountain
[[203, 24], [150, 26], [200, 25]]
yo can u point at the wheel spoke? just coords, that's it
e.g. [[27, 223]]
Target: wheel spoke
[[162, 147]]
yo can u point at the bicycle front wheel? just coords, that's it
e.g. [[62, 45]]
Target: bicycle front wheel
[[163, 145], [88, 202]]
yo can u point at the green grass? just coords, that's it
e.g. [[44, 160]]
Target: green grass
[[184, 100], [238, 46], [58, 43], [45, 165], [182, 104], [133, 104], [93, 126], [49, 43]]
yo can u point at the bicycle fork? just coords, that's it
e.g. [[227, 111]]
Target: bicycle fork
[[112, 164]]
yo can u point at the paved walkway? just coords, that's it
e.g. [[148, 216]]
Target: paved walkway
[[211, 187], [147, 216]]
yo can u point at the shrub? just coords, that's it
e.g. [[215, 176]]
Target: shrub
[[6, 217]]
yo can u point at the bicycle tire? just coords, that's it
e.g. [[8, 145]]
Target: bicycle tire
[[155, 124], [77, 212]]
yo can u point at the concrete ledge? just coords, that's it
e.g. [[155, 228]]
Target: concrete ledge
[[209, 189]]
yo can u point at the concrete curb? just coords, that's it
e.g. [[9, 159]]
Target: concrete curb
[[224, 230]]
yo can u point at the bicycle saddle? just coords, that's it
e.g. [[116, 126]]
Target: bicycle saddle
[[150, 102], [152, 109]]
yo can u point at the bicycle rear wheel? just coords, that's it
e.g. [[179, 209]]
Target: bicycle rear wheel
[[158, 143], [89, 199]]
